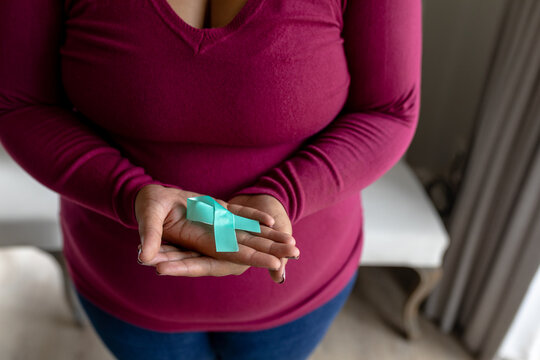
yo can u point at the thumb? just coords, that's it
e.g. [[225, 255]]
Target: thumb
[[150, 231]]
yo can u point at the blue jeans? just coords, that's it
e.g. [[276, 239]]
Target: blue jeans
[[295, 340]]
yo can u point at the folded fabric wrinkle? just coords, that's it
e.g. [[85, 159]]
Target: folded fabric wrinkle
[[207, 210]]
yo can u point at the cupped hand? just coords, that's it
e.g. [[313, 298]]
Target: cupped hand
[[161, 214], [273, 207]]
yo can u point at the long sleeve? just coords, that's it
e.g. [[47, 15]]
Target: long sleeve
[[382, 41], [40, 130]]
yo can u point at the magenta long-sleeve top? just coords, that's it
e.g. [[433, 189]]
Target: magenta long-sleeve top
[[307, 101]]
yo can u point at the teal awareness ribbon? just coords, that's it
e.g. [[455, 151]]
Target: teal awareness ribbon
[[207, 210]]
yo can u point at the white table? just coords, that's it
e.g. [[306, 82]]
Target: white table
[[402, 228], [29, 214]]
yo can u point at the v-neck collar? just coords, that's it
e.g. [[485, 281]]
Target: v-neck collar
[[197, 38]]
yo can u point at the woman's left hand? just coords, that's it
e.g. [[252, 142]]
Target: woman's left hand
[[274, 208]]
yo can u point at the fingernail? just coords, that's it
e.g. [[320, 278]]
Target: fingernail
[[293, 257], [283, 278], [139, 257]]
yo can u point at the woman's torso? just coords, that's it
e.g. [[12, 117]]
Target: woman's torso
[[209, 110]]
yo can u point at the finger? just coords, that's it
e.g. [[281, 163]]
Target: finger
[[171, 256], [275, 235], [150, 231], [249, 256], [251, 213], [200, 266], [279, 275], [199, 237], [268, 246], [248, 212]]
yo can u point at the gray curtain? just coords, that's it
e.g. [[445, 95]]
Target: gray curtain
[[495, 224]]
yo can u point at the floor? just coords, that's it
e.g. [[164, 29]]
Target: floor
[[35, 322]]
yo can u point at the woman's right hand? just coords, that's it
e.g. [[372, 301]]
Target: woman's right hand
[[161, 214]]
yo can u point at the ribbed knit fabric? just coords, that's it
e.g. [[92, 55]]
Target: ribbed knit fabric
[[308, 101]]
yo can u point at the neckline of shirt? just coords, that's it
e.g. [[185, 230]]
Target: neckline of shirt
[[178, 24]]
